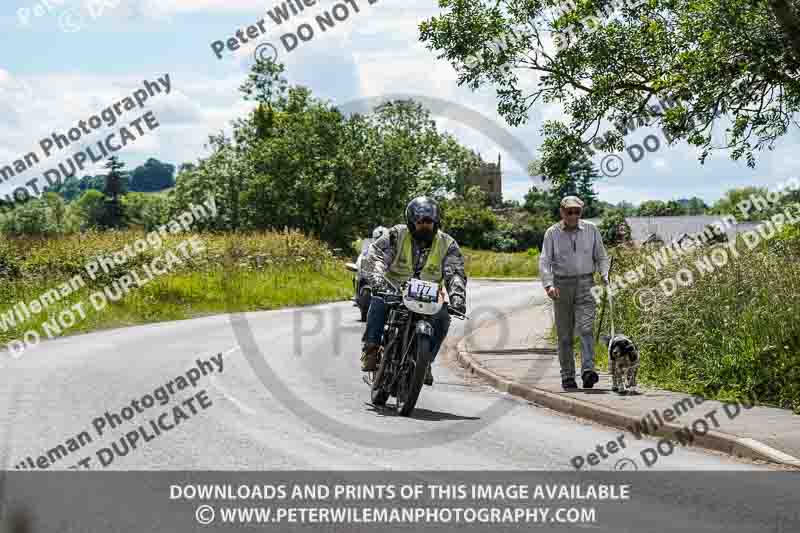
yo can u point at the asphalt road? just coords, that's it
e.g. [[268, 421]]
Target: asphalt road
[[309, 411], [300, 404]]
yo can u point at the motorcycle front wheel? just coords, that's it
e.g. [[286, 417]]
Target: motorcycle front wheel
[[379, 394], [413, 376]]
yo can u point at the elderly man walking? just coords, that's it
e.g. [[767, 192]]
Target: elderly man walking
[[571, 252]]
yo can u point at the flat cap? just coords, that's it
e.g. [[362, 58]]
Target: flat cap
[[571, 201]]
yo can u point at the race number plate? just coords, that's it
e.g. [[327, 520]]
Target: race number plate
[[424, 291]]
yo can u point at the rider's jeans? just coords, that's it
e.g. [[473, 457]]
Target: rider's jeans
[[376, 318]]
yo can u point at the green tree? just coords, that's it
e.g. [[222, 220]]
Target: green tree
[[145, 210], [152, 176], [113, 210], [585, 175], [657, 208], [614, 228], [705, 58], [91, 209], [42, 216], [541, 202], [737, 202], [468, 220], [267, 86], [695, 206], [627, 208], [674, 209], [653, 208], [577, 180], [297, 161], [68, 188], [57, 210], [97, 183]]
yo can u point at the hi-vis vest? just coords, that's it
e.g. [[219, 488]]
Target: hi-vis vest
[[402, 266]]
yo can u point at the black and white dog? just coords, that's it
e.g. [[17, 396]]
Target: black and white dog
[[623, 362]]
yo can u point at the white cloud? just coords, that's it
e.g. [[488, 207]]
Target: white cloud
[[188, 6], [374, 52], [194, 108]]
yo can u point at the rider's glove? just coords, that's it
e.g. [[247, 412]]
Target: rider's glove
[[457, 302]]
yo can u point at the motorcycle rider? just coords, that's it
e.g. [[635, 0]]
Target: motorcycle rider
[[377, 233], [414, 249]]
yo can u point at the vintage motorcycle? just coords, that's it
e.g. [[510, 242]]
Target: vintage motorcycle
[[361, 289], [405, 350]]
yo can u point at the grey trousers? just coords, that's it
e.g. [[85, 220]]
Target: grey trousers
[[575, 310]]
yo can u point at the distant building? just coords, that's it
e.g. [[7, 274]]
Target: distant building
[[489, 178]]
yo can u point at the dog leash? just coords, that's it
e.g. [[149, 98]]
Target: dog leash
[[611, 311]]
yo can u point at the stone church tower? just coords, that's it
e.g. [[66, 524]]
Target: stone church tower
[[489, 178]]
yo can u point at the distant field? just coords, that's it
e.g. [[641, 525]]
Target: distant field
[[488, 264]]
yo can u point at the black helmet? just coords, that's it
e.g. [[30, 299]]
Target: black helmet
[[419, 208]]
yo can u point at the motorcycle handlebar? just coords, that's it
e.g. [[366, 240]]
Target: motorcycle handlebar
[[393, 297], [397, 296]]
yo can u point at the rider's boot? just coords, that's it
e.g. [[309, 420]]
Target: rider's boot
[[428, 376], [369, 357]]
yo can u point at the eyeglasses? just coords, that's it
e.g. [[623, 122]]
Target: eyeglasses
[[572, 212]]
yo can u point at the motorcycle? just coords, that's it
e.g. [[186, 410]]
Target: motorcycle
[[405, 350], [361, 289]]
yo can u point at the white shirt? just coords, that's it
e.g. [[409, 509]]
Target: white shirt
[[572, 253]]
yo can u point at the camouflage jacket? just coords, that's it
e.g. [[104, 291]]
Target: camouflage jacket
[[382, 253]]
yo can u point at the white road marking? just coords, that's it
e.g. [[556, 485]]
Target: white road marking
[[226, 394]]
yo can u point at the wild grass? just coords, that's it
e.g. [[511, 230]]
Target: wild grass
[[233, 273], [728, 334]]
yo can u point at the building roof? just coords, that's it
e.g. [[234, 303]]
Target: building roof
[[669, 229]]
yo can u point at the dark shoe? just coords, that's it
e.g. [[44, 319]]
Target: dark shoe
[[428, 377], [369, 358], [569, 384], [589, 377]]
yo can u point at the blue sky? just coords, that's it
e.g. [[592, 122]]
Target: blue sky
[[71, 62]]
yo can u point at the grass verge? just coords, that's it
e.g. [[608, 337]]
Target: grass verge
[[232, 273], [488, 264]]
